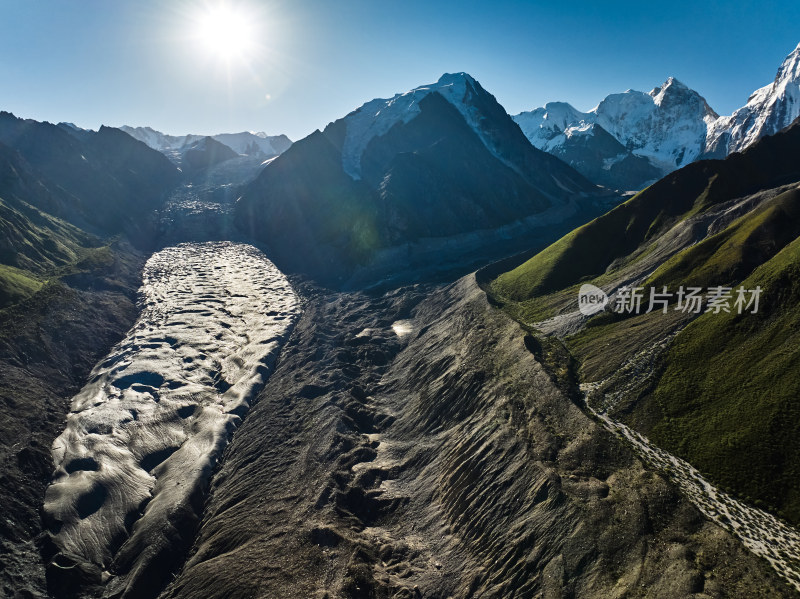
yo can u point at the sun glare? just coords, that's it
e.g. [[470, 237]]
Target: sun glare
[[226, 32]]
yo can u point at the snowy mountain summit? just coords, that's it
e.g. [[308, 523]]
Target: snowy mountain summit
[[768, 110], [632, 138], [377, 117], [248, 143], [666, 127]]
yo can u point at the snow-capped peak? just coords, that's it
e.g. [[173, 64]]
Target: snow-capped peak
[[160, 141], [790, 68], [455, 79], [667, 125], [377, 117], [549, 126], [560, 115], [676, 93], [671, 82], [671, 88], [254, 144], [768, 110], [670, 126], [248, 143]]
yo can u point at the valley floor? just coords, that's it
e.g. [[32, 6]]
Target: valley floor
[[409, 444]]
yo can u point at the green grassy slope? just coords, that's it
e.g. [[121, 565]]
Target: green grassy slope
[[730, 391], [733, 253], [726, 393], [589, 250], [35, 247], [725, 258], [34, 241], [16, 285]]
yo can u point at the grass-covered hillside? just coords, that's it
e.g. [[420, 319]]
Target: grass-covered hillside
[[36, 248], [718, 389], [617, 235], [729, 392]]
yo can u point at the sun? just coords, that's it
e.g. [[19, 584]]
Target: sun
[[225, 31]]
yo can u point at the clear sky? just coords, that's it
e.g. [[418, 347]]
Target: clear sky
[[292, 66]]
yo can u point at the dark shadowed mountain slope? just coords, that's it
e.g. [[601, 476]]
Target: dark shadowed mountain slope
[[106, 181], [597, 155], [65, 297], [21, 183], [35, 246], [438, 161], [205, 153], [49, 342]]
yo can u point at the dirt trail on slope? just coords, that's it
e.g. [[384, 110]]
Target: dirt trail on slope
[[761, 532]]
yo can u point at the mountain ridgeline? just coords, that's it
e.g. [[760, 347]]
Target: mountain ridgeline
[[256, 145], [205, 153], [438, 161], [104, 181], [63, 193]]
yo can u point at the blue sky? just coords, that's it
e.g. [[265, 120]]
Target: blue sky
[[142, 62]]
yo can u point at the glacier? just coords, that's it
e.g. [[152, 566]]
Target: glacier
[[143, 435]]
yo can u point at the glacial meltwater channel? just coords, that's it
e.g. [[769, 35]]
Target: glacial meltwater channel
[[145, 432]]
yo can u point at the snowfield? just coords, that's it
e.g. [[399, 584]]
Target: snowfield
[[145, 432]]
